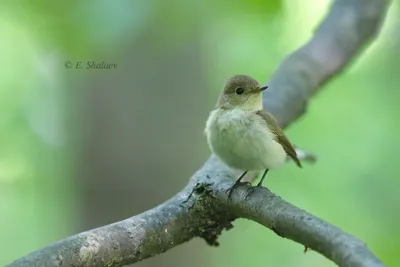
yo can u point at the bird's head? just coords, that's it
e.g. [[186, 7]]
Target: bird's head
[[241, 91]]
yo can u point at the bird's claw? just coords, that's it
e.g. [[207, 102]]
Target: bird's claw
[[251, 190], [230, 189]]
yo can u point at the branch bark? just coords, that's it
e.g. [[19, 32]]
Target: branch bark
[[202, 208]]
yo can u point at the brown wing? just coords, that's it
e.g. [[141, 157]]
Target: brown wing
[[280, 135]]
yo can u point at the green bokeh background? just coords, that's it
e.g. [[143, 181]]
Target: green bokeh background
[[83, 148]]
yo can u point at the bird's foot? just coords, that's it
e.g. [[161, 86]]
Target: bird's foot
[[230, 189], [238, 182], [252, 189]]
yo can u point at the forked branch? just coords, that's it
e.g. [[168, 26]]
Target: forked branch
[[202, 209]]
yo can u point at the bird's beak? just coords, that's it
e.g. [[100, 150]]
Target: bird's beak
[[262, 88]]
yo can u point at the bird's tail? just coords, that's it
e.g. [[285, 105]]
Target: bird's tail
[[304, 156]]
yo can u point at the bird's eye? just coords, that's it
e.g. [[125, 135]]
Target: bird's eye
[[239, 91]]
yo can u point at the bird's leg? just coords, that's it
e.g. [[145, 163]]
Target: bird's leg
[[251, 189], [262, 178], [238, 181]]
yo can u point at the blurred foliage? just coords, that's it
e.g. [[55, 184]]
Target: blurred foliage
[[351, 125]]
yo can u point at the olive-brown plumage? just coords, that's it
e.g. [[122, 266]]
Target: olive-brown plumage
[[279, 135]]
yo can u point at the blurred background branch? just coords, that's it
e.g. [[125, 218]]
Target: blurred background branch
[[344, 32]]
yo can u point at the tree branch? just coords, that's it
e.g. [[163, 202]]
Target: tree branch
[[202, 208]]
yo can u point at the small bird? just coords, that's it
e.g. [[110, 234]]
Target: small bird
[[242, 134]]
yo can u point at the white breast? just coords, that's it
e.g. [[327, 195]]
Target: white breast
[[243, 141]]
